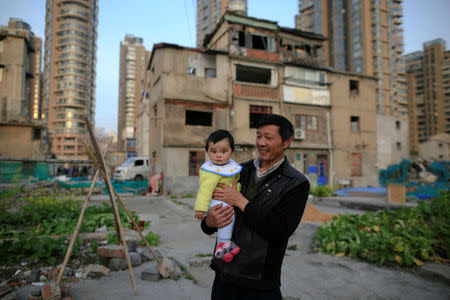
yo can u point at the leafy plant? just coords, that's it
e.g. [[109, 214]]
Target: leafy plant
[[322, 191], [405, 236], [94, 245], [152, 239]]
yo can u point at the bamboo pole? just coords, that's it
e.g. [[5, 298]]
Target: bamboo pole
[[128, 213], [77, 228], [101, 161], [80, 220]]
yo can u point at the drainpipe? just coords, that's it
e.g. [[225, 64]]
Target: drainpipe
[[330, 149]]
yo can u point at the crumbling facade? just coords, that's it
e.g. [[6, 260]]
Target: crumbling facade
[[251, 67]]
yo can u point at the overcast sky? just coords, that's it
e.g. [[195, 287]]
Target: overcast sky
[[173, 21]]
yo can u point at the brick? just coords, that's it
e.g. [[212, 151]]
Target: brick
[[50, 291], [115, 251], [65, 289]]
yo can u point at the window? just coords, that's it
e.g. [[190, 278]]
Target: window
[[191, 71], [354, 123], [356, 164], [306, 122], [210, 72], [252, 74], [256, 112], [196, 160], [200, 118], [259, 42], [354, 87], [397, 124], [139, 162], [36, 134], [238, 38], [399, 146]]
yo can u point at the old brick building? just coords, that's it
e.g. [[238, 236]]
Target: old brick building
[[249, 67]]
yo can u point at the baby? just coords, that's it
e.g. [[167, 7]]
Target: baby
[[220, 169]]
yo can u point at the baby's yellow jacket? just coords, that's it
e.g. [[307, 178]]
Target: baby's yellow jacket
[[210, 175]]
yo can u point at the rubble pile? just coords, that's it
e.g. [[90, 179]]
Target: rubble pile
[[38, 281]]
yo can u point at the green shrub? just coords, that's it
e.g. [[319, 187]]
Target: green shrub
[[322, 191], [405, 236]]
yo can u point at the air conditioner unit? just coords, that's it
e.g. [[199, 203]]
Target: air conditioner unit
[[299, 134]]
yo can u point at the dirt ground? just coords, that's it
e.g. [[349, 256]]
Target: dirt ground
[[313, 214]]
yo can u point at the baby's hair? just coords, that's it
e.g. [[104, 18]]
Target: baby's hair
[[219, 135]]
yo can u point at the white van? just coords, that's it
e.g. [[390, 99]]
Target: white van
[[135, 168]]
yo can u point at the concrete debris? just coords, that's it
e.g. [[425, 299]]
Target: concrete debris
[[166, 268], [33, 276], [145, 252], [115, 264], [96, 271], [151, 273], [135, 259]]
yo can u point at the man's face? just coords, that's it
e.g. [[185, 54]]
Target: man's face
[[270, 145]]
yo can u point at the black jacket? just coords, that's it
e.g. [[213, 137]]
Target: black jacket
[[263, 229]]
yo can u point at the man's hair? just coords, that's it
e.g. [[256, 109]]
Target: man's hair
[[219, 135], [285, 127]]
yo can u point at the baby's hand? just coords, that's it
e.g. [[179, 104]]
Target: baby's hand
[[199, 215]]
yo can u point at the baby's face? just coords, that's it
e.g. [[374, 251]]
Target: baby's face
[[220, 152]]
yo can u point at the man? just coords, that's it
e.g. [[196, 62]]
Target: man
[[267, 212]]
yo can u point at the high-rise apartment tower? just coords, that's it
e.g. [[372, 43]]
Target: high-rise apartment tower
[[133, 59], [69, 73], [209, 13], [428, 77], [20, 73], [363, 37]]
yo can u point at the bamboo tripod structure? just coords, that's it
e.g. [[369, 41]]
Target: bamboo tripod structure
[[99, 161]]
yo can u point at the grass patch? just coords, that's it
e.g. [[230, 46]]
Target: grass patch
[[292, 247], [188, 276], [203, 255]]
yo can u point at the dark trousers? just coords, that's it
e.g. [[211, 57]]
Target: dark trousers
[[228, 291]]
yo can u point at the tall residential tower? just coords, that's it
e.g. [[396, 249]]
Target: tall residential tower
[[365, 37], [20, 73], [209, 13], [69, 73], [428, 77], [133, 59]]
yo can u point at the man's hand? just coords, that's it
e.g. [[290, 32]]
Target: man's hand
[[230, 195], [219, 216]]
